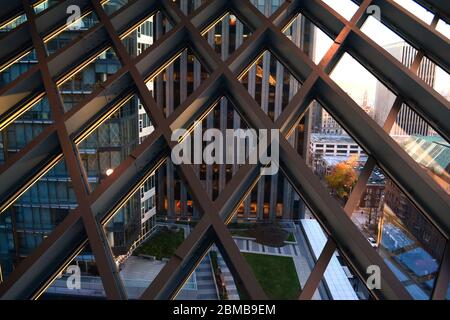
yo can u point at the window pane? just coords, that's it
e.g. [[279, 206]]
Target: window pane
[[12, 24], [270, 83], [417, 10], [89, 78], [33, 120], [33, 217], [71, 32], [345, 8], [177, 81], [144, 35], [227, 35], [308, 37]]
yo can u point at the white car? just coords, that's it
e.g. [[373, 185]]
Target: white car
[[372, 242]]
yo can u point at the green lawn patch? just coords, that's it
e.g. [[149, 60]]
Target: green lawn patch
[[276, 274], [291, 237], [162, 244]]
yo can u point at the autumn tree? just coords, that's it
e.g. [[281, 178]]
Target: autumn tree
[[342, 177]]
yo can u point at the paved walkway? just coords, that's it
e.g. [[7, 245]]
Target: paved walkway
[[205, 281], [228, 277]]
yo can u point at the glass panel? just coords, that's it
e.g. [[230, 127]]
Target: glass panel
[[424, 145], [146, 231], [374, 205], [70, 32], [313, 41], [188, 6], [12, 24], [227, 35], [127, 125], [390, 41], [269, 229], [219, 144], [13, 70], [345, 8], [267, 7], [211, 280], [417, 10], [41, 6], [436, 77], [270, 83], [177, 81], [340, 282], [334, 156], [111, 6], [443, 28], [409, 244], [34, 215], [369, 93], [80, 279], [88, 79], [429, 72], [150, 30], [24, 128]]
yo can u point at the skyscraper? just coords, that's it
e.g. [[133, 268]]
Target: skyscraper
[[408, 122]]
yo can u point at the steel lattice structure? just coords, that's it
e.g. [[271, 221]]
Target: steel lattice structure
[[38, 270]]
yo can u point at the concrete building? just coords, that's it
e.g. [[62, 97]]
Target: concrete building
[[332, 145]]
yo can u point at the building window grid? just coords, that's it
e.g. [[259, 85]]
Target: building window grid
[[259, 4]]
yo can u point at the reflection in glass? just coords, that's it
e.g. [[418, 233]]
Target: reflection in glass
[[426, 147]]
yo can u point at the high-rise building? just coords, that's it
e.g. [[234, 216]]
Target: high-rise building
[[324, 123], [38, 211], [408, 122], [272, 86]]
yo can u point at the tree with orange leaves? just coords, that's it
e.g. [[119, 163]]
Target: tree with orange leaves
[[343, 178]]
